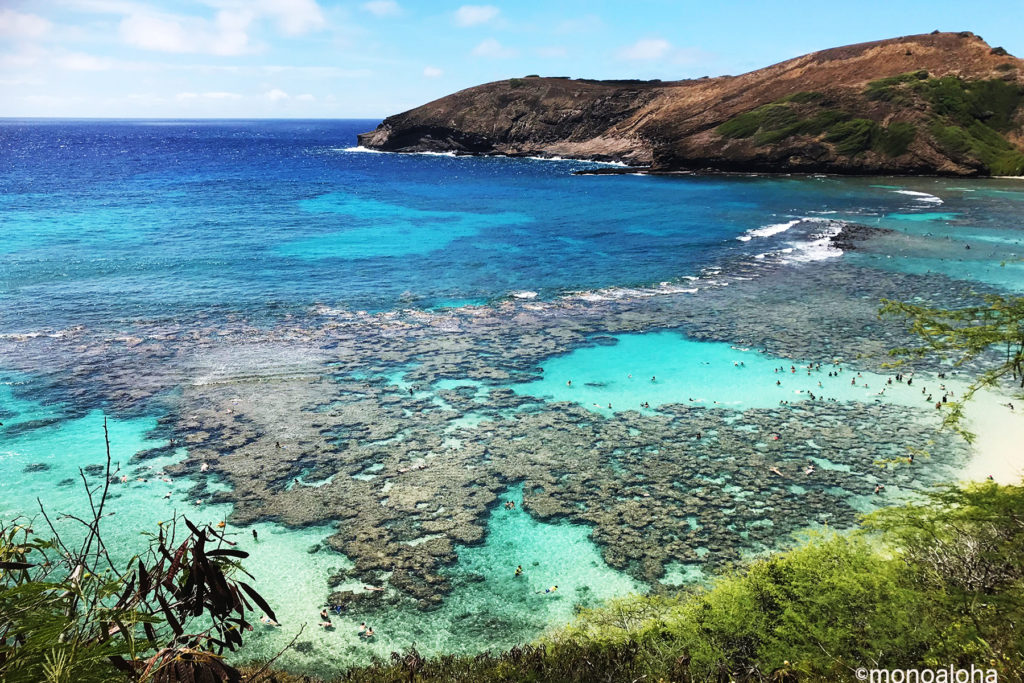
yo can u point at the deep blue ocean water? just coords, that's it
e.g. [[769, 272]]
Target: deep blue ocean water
[[115, 220]]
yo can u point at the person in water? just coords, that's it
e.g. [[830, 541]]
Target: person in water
[[551, 590], [255, 536], [519, 571]]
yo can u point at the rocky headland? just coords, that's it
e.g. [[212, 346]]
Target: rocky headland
[[938, 103]]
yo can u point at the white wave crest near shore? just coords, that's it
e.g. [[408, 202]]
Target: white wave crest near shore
[[767, 230], [358, 148], [818, 248], [920, 196]]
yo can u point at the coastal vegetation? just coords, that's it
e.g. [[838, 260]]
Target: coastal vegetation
[[966, 119], [992, 332], [779, 121]]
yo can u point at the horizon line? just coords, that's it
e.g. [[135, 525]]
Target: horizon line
[[192, 118]]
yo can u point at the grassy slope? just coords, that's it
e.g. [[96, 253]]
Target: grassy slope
[[965, 119]]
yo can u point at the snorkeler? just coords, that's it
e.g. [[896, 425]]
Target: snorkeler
[[519, 571]]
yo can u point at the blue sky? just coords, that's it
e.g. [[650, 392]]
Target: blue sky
[[370, 58]]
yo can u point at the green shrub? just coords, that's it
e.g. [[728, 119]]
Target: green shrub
[[979, 143], [888, 89], [895, 139], [742, 126], [854, 136], [805, 97]]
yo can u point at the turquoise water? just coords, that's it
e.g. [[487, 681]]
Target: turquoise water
[[375, 229], [657, 368]]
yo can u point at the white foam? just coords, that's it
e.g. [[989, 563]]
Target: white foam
[[920, 196], [767, 230], [524, 295], [818, 248], [358, 148]]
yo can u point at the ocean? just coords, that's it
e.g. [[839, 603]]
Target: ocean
[[373, 352]]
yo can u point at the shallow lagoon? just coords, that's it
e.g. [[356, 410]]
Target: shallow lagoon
[[658, 368]]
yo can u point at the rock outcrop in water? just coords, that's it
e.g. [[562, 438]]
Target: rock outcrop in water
[[941, 103]]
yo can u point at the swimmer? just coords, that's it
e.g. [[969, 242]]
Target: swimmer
[[775, 470], [362, 628], [569, 383], [204, 467], [268, 621], [167, 495], [809, 470], [551, 590], [369, 632], [878, 488], [519, 571], [372, 588], [255, 536], [653, 378]]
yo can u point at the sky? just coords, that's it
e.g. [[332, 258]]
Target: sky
[[372, 58]]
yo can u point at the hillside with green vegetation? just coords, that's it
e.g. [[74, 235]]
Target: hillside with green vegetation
[[966, 120], [937, 103]]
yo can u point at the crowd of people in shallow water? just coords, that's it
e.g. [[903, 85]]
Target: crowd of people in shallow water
[[836, 371]]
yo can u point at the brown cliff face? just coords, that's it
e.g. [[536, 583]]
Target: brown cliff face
[[941, 103]]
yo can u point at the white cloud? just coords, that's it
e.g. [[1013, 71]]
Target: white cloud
[[492, 48], [26, 56], [305, 97], [293, 17], [79, 61], [383, 8], [227, 35], [473, 15], [19, 25], [646, 49], [432, 72], [276, 95]]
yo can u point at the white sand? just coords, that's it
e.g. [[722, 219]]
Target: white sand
[[998, 449]]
